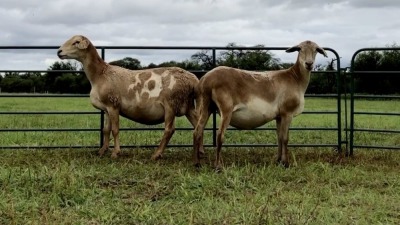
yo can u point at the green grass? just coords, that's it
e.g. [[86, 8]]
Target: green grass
[[75, 186]]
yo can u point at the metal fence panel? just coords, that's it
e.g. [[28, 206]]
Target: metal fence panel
[[213, 129], [355, 112]]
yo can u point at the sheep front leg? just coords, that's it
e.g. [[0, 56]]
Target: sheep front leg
[[169, 130], [283, 124], [106, 134], [278, 126], [113, 115]]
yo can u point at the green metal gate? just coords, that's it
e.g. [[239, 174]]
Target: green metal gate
[[372, 112]]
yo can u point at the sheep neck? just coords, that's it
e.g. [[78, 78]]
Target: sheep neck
[[301, 75], [93, 65]]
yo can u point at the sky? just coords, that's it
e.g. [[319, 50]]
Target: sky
[[344, 26]]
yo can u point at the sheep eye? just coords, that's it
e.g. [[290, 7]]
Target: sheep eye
[[76, 43]]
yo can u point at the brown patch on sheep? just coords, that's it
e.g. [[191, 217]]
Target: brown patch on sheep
[[144, 96], [151, 85], [144, 76], [114, 100]]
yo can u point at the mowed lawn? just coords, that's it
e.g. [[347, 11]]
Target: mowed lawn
[[75, 186]]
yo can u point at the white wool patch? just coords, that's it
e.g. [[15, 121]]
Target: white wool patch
[[155, 92], [172, 83], [172, 80]]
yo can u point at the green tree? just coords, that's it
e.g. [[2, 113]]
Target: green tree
[[22, 82], [168, 64], [285, 65], [203, 59], [152, 65], [258, 59], [14, 83], [66, 83], [323, 81], [128, 63], [56, 72], [186, 64]]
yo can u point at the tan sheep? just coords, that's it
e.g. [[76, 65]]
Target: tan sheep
[[150, 96], [247, 99]]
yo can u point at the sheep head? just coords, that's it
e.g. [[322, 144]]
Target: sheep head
[[307, 52], [74, 48]]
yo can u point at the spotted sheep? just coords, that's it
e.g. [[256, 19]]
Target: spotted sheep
[[247, 99], [149, 96]]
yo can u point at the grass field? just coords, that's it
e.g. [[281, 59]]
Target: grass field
[[75, 186]]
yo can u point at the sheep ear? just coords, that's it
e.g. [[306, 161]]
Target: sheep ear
[[293, 49], [322, 51], [83, 44]]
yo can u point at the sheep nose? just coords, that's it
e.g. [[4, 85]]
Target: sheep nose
[[59, 52], [309, 65]]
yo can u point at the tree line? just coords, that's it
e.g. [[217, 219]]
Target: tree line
[[68, 77]]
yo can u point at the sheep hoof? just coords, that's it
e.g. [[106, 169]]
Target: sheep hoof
[[156, 157], [218, 169], [202, 151], [114, 155], [202, 154], [101, 152], [285, 164], [282, 163]]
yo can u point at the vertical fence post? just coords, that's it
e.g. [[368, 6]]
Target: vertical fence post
[[346, 126], [352, 104], [102, 112], [214, 119], [339, 102]]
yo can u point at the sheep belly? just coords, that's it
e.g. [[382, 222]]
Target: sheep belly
[[253, 114], [149, 114]]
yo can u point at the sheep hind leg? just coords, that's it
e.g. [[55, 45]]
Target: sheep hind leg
[[193, 118], [106, 135], [169, 130], [203, 113], [225, 120]]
